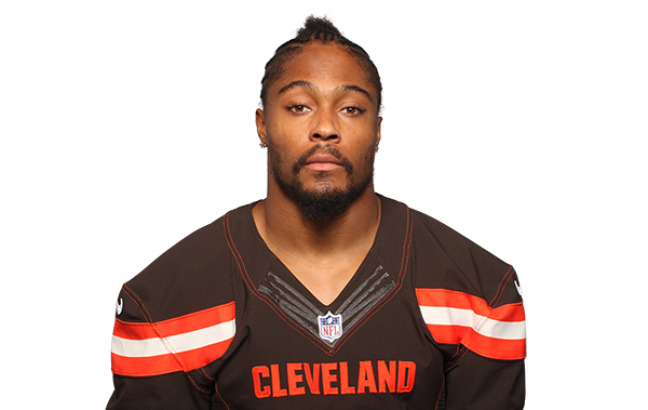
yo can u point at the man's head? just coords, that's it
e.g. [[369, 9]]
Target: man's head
[[320, 120], [323, 31]]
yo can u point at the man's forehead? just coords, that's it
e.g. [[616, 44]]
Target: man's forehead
[[319, 62]]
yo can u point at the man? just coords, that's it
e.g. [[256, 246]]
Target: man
[[323, 295]]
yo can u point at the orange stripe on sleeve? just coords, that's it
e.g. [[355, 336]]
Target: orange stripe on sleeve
[[457, 317], [184, 343]]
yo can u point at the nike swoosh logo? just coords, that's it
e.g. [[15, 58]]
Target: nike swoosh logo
[[120, 306], [518, 287]]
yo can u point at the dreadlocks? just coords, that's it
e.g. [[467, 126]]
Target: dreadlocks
[[322, 30]]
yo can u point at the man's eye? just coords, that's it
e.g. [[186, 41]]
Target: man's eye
[[298, 108], [352, 110]]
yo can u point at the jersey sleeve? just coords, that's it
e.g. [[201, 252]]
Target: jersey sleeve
[[161, 364], [175, 321], [471, 305]]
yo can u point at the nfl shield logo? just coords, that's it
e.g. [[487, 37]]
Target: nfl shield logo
[[330, 326]]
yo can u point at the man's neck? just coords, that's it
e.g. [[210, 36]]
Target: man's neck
[[281, 224]]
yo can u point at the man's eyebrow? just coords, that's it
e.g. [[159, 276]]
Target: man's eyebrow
[[340, 89], [298, 83], [351, 87]]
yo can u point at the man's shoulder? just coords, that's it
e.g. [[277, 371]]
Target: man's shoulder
[[427, 229], [446, 259], [431, 230], [192, 275]]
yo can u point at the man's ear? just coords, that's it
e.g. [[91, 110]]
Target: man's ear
[[378, 131], [261, 126]]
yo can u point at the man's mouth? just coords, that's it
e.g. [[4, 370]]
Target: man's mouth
[[322, 163]]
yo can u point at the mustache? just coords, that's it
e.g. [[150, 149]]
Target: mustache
[[322, 149]]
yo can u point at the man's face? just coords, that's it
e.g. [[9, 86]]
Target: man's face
[[321, 126]]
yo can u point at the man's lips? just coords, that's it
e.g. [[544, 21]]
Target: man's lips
[[322, 166], [322, 163]]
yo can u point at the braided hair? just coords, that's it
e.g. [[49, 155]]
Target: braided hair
[[323, 31]]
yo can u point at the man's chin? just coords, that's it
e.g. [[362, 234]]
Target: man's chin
[[324, 201], [323, 205]]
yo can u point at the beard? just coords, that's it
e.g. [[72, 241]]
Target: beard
[[321, 206]]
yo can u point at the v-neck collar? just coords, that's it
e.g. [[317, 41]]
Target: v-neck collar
[[379, 276]]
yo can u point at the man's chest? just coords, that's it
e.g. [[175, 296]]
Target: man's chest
[[368, 348], [368, 351]]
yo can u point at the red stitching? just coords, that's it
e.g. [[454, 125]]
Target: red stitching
[[148, 317], [457, 352], [436, 405], [218, 396], [463, 351], [196, 385], [139, 303], [500, 289], [230, 244], [205, 375]]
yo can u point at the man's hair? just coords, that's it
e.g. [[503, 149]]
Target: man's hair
[[323, 31]]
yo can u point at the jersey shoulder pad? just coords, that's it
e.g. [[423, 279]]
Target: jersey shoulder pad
[[192, 275], [446, 259]]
